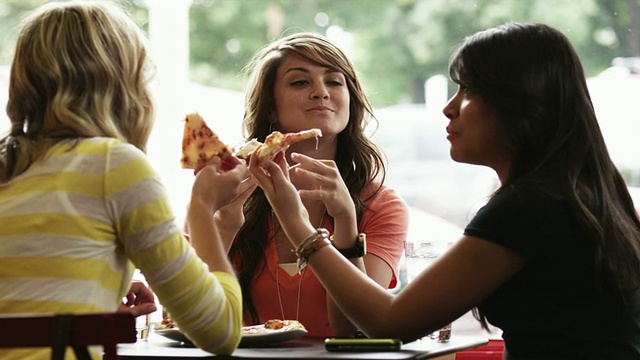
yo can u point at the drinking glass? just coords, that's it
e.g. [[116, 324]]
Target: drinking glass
[[418, 257], [143, 323]]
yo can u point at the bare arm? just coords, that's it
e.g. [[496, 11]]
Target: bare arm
[[320, 180], [467, 273], [211, 191], [376, 269]]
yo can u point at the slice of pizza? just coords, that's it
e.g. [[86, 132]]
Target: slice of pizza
[[199, 143], [244, 150], [273, 326], [277, 324], [274, 143]]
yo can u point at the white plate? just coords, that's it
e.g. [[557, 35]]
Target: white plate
[[254, 339], [174, 334], [258, 335]]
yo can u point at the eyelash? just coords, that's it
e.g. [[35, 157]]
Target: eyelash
[[467, 90], [304, 82]]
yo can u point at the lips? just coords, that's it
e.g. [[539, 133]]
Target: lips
[[451, 134], [319, 108]]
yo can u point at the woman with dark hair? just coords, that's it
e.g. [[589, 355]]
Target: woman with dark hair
[[553, 259], [299, 82]]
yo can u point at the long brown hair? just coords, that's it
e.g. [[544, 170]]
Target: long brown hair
[[80, 70], [358, 159]]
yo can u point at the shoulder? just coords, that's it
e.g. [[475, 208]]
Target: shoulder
[[377, 194], [89, 155], [527, 200], [521, 217], [384, 203], [97, 146]]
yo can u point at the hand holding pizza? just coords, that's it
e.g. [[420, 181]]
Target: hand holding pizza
[[218, 188], [273, 178]]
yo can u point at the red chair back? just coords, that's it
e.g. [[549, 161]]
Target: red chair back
[[62, 331], [494, 350]]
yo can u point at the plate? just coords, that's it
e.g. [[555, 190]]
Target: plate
[[252, 335], [259, 335], [174, 334]]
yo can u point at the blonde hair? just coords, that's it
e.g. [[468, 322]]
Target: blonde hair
[[80, 70]]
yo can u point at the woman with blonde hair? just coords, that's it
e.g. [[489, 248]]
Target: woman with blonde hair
[[80, 206], [296, 83]]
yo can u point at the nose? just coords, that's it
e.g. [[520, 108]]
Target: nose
[[450, 110], [319, 91]]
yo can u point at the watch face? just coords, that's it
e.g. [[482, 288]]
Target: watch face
[[361, 243], [358, 250]]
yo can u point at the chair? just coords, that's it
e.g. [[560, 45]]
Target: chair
[[492, 351], [61, 331]]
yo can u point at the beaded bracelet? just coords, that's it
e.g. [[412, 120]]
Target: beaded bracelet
[[310, 245]]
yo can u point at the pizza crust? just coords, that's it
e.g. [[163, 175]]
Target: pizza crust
[[274, 143]]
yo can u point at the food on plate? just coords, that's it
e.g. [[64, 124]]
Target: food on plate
[[199, 143], [274, 143], [166, 323], [276, 324], [271, 326]]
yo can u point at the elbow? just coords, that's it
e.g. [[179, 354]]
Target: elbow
[[224, 345], [224, 349]]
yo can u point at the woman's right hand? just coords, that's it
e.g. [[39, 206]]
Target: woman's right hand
[[273, 178], [212, 189]]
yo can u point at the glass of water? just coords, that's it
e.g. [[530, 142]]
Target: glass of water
[[418, 257]]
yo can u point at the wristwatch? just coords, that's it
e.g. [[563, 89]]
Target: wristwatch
[[358, 250]]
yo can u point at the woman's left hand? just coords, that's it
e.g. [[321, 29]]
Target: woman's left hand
[[230, 217], [273, 178], [138, 301], [321, 180]]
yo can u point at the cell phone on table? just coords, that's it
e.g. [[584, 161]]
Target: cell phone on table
[[348, 344]]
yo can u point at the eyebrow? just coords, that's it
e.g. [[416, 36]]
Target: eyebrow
[[305, 70]]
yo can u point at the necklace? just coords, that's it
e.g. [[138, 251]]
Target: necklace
[[299, 292], [273, 229]]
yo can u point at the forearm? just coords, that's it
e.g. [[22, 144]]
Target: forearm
[[227, 235], [353, 292], [340, 324], [205, 237]]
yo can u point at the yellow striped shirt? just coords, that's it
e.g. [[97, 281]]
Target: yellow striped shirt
[[75, 225]]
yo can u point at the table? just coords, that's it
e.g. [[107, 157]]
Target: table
[[159, 348]]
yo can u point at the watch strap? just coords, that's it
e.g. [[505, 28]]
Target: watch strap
[[358, 250]]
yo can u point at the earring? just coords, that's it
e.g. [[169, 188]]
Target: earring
[[270, 127]]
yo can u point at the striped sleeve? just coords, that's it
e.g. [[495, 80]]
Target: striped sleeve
[[206, 306]]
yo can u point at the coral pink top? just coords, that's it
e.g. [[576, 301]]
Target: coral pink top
[[386, 227]]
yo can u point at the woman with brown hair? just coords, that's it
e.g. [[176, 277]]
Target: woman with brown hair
[[296, 83]]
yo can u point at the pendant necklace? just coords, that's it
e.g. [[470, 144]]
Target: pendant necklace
[[273, 229]]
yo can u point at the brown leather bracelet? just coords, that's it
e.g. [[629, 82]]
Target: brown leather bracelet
[[310, 245]]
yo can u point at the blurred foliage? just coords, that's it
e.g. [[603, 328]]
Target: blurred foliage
[[395, 44]]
